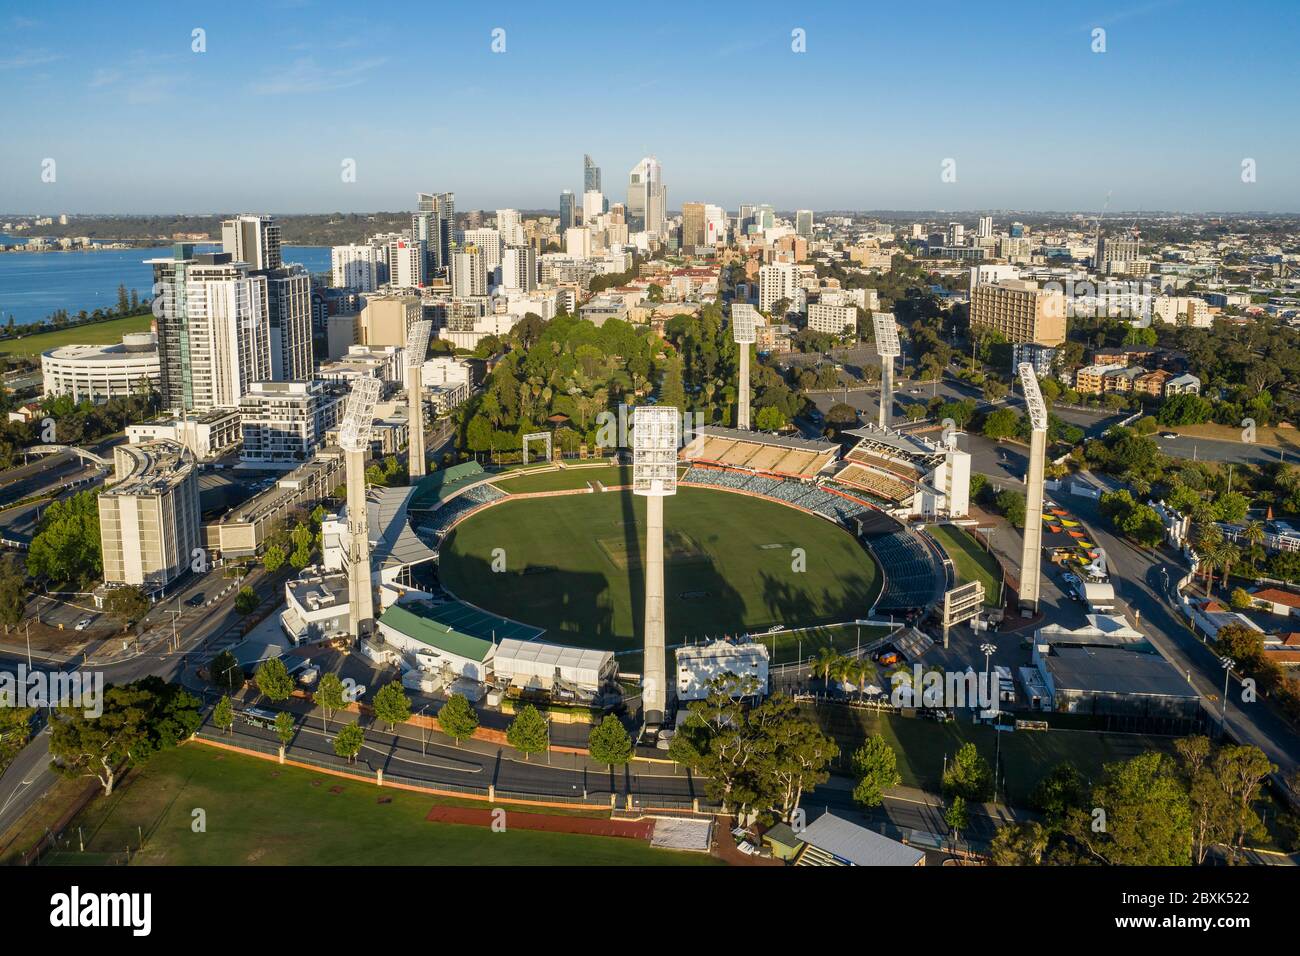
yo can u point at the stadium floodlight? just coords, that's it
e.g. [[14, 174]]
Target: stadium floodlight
[[655, 434], [1033, 397], [888, 348], [887, 344], [417, 345], [1031, 558], [354, 439], [743, 320]]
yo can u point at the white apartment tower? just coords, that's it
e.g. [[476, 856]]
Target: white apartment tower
[[355, 267]]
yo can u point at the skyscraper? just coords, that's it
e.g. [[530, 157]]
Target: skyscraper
[[288, 296], [567, 205], [213, 329], [434, 222], [590, 175], [693, 225], [468, 272], [647, 198], [803, 223]]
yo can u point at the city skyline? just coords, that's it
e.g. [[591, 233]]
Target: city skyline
[[1054, 125]]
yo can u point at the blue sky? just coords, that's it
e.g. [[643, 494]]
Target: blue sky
[[412, 92]]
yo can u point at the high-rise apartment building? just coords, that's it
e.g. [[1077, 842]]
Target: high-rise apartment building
[[985, 228], [511, 227], [254, 240], [355, 267], [489, 242], [468, 272], [407, 262], [519, 269], [1019, 310], [288, 298], [286, 422], [1115, 253], [213, 329], [832, 319], [777, 281]]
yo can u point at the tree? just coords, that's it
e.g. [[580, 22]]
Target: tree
[[956, 817], [968, 775], [127, 604], [769, 419], [246, 601], [392, 705], [800, 753], [457, 718], [284, 728], [1240, 599], [1001, 423], [1063, 789], [136, 721], [1018, 844], [273, 680], [348, 741], [875, 765], [226, 673], [1147, 816], [528, 732], [609, 742], [1241, 770], [223, 715], [1011, 504], [66, 546], [329, 695], [13, 590], [273, 560], [15, 731]]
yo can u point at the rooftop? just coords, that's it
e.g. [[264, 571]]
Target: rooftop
[[1115, 670], [857, 845]]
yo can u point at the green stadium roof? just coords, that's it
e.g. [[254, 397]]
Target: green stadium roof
[[419, 622], [434, 488]]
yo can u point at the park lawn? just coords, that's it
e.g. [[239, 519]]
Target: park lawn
[[973, 563], [573, 567], [97, 333], [1026, 755], [258, 812]]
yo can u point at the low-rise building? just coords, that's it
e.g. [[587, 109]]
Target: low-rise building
[[698, 665]]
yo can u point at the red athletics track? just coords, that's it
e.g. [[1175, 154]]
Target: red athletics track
[[516, 819]]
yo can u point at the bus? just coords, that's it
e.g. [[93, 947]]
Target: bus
[[260, 717]]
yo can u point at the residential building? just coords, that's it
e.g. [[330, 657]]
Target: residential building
[[468, 272], [777, 281], [288, 299], [285, 422], [803, 223], [519, 269], [1020, 311], [832, 319], [254, 240], [355, 267]]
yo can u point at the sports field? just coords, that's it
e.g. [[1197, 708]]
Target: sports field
[[258, 812], [973, 563], [573, 566], [96, 333]]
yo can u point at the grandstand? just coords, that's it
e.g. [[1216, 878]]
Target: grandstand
[[760, 452], [912, 571], [458, 507], [835, 505], [908, 474]]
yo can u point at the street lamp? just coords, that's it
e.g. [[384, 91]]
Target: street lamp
[[1227, 663], [989, 650]]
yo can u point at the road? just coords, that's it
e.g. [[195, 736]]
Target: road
[[1212, 449], [1144, 581]]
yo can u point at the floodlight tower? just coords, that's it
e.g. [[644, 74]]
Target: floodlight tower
[[354, 439], [742, 330], [655, 431], [1031, 558], [417, 344], [888, 349]]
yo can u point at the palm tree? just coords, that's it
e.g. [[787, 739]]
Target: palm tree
[[1229, 555], [862, 671], [1254, 535], [827, 658], [1208, 540]]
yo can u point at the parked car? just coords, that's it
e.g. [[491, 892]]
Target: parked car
[[1168, 435], [83, 624]]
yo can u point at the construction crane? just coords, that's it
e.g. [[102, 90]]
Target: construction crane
[[354, 439], [417, 344]]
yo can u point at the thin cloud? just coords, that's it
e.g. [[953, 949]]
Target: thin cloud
[[305, 75], [28, 59]]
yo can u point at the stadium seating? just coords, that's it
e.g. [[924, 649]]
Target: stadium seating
[[912, 572], [461, 505]]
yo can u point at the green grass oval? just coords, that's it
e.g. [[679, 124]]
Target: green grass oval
[[573, 566]]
